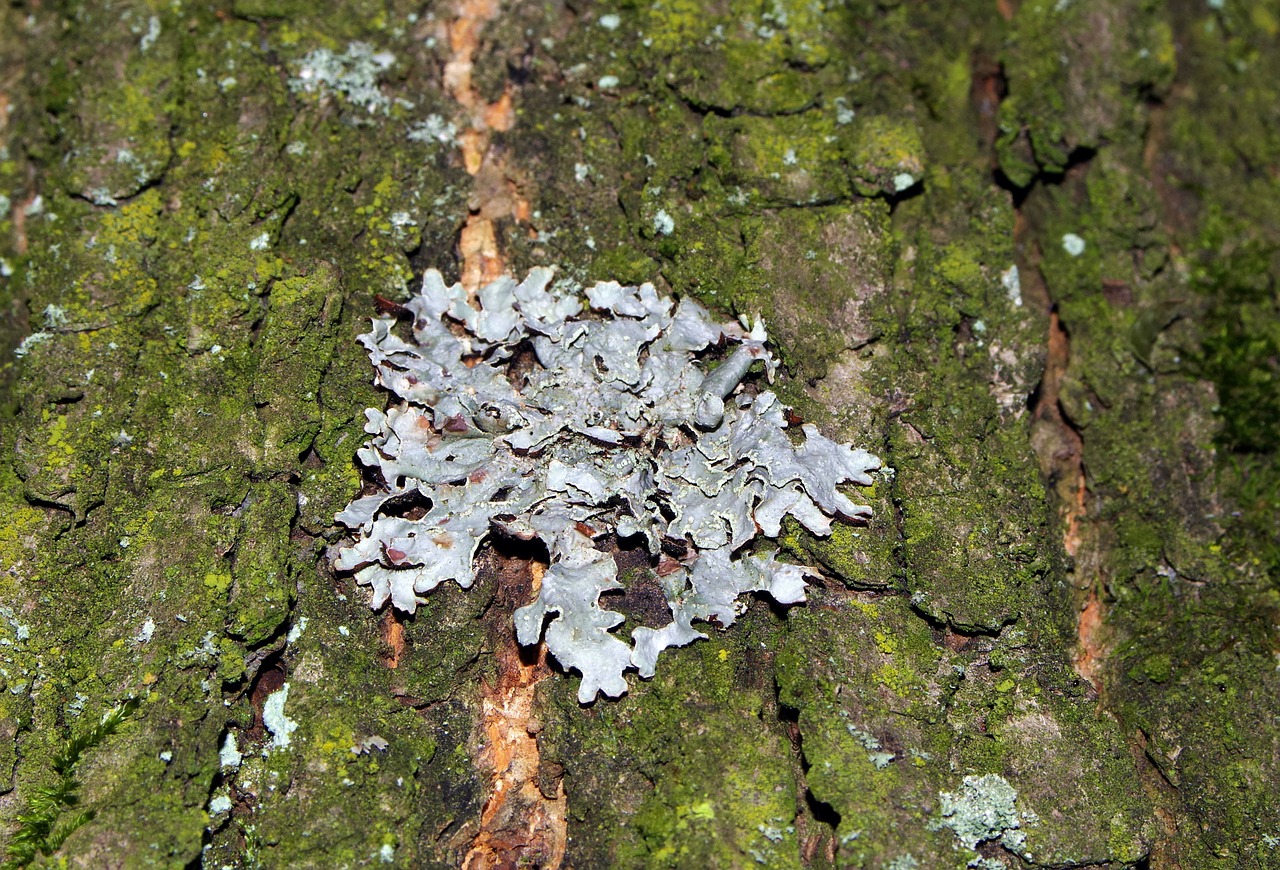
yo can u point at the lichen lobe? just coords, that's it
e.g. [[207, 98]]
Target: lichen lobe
[[634, 421]]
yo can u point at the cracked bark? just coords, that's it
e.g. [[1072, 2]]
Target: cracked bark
[[1039, 595]]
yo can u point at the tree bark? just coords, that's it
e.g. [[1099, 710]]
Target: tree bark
[[1023, 251]]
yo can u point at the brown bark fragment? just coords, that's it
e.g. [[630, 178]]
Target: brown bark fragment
[[497, 197], [520, 824], [391, 632], [1090, 651], [481, 261], [1060, 450]]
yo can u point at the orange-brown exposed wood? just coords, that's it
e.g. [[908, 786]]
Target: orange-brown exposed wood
[[521, 823], [497, 197], [524, 821], [1060, 450]]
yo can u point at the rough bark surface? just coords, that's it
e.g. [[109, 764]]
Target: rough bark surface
[[1072, 580]]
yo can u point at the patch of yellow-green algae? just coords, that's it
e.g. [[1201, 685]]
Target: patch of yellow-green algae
[[691, 768], [1172, 323], [886, 731], [186, 431], [890, 300]]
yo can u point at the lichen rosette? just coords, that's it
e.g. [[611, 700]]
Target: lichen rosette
[[538, 412]]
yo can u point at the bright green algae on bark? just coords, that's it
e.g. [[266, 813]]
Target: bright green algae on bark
[[899, 305], [685, 769], [1170, 316], [185, 433]]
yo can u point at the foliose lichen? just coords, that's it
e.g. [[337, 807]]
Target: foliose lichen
[[355, 74], [533, 413], [984, 809]]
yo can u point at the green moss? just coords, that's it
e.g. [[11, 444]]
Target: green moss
[[193, 394], [263, 572], [862, 558], [886, 155], [18, 536], [1137, 353], [721, 795], [1242, 338], [230, 661], [677, 24], [45, 826], [624, 264], [791, 159], [856, 752], [735, 61], [791, 272]]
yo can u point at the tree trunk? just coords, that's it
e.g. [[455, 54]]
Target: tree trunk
[[1023, 251]]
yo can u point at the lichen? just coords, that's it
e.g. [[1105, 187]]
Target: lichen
[[576, 422], [355, 74], [275, 720], [984, 809]]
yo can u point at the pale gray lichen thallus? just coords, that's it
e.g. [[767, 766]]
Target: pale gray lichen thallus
[[631, 422]]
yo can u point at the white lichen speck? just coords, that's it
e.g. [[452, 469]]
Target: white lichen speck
[[614, 423], [663, 223], [356, 74], [433, 129], [1012, 284], [230, 755], [275, 720]]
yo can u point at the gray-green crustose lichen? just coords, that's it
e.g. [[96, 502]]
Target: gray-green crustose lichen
[[539, 414], [985, 809]]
